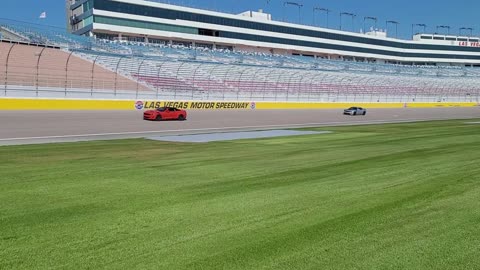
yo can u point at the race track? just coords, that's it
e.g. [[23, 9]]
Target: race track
[[30, 127]]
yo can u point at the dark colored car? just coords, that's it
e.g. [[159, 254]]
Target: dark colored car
[[165, 113], [355, 111]]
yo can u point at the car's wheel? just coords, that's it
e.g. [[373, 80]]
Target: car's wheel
[[158, 118], [181, 117], [364, 113], [354, 113]]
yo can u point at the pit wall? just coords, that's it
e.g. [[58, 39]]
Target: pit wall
[[84, 104]]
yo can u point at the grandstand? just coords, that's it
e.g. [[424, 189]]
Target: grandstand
[[154, 21], [39, 61]]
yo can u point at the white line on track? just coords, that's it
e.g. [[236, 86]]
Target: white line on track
[[223, 128]]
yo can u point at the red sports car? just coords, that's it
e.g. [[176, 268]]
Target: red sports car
[[165, 113]]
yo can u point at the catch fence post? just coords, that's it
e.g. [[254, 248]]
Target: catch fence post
[[6, 67], [66, 72], [38, 70], [138, 77], [93, 75]]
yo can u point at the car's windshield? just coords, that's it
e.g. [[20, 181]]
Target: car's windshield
[[352, 108], [162, 109]]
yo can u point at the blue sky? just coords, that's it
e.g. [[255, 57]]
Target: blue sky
[[460, 13]]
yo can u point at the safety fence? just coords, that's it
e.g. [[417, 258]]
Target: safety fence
[[36, 71]]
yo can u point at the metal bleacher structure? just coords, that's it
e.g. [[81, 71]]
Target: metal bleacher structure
[[41, 61]]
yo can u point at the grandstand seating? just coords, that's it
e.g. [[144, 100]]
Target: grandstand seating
[[42, 67], [173, 71]]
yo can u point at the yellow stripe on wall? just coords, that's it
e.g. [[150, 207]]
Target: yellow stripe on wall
[[64, 104], [441, 104], [80, 104], [319, 105]]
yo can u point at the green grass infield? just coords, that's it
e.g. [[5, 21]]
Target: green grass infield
[[396, 196]]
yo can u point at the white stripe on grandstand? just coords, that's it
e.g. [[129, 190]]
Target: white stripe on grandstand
[[225, 129]]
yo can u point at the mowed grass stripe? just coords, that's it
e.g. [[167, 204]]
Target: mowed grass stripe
[[398, 196]]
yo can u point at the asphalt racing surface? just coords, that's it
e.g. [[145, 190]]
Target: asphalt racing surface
[[32, 127]]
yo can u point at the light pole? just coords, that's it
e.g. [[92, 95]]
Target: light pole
[[293, 4], [465, 28], [347, 14], [444, 27], [396, 27], [370, 18], [420, 25], [326, 10]]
